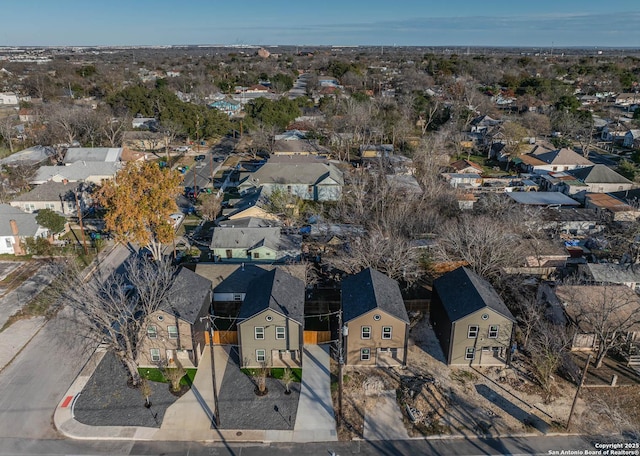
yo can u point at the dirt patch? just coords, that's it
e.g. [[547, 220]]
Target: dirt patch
[[494, 401]]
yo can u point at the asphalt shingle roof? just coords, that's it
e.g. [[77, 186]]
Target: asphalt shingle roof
[[27, 225], [50, 191], [368, 290], [276, 290], [598, 174], [464, 292], [188, 294]]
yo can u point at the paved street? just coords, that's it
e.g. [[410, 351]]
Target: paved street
[[447, 447]]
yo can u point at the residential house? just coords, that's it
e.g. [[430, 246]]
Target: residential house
[[8, 99], [466, 167], [627, 99], [375, 150], [268, 244], [308, 179], [232, 281], [271, 321], [90, 172], [31, 156], [251, 204], [376, 324], [175, 332], [57, 196], [631, 139], [616, 306], [92, 154], [542, 160], [27, 115], [591, 179], [292, 146], [611, 208], [458, 180], [229, 107], [613, 133], [472, 322], [569, 221], [15, 227], [482, 124], [542, 199], [612, 273], [144, 123]]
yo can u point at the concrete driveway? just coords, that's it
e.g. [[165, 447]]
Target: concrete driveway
[[384, 422]]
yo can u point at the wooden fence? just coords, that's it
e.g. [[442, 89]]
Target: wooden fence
[[223, 337], [317, 337]]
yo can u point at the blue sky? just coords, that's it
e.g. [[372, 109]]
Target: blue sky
[[536, 23]]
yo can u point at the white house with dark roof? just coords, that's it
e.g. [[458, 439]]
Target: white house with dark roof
[[543, 160], [15, 227], [57, 196], [375, 320]]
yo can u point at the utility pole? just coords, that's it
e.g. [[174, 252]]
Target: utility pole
[[575, 399], [216, 414], [79, 209], [340, 366]]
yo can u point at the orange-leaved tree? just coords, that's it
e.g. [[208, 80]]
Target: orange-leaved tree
[[138, 203]]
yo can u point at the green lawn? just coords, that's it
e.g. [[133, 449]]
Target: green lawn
[[155, 375], [276, 372]]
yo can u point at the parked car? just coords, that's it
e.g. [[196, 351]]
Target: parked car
[[182, 149], [200, 157]]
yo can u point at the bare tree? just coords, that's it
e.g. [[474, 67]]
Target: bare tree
[[548, 345], [7, 131], [607, 313], [210, 206], [485, 243], [113, 312]]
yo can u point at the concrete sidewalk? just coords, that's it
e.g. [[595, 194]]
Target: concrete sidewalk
[[16, 337], [385, 421]]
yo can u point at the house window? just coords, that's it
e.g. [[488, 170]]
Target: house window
[[366, 332], [259, 332], [473, 332], [237, 296], [155, 355], [256, 255], [261, 356], [152, 332], [386, 332], [280, 332], [469, 353], [289, 189], [8, 242], [493, 331], [310, 189], [229, 253], [365, 354], [51, 206], [173, 332]]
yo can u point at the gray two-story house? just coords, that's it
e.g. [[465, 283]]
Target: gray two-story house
[[471, 320]]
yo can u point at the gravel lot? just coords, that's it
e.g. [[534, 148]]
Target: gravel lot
[[241, 408], [107, 400]]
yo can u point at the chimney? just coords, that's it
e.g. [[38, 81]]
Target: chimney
[[17, 244], [65, 181]]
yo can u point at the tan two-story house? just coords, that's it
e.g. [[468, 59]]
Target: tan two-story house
[[471, 320], [270, 321], [376, 324], [175, 332]]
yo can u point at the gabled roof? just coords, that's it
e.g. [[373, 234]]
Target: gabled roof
[[77, 171], [27, 225], [613, 273], [295, 173], [275, 290], [235, 278], [543, 198], [245, 238], [189, 296], [464, 292], [368, 290], [562, 156], [49, 191], [462, 164], [598, 174], [105, 154]]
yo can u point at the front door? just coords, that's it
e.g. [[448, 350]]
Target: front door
[[169, 356]]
